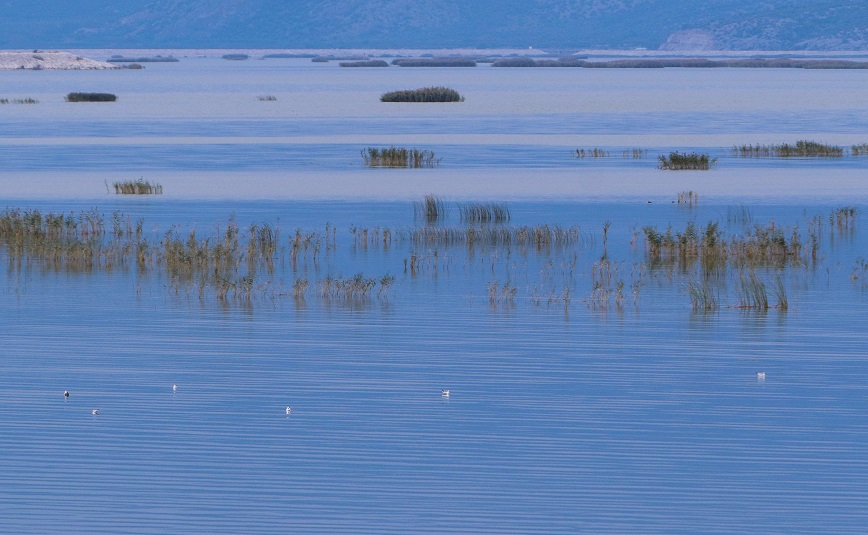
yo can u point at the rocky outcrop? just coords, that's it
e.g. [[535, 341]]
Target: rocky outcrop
[[39, 59]]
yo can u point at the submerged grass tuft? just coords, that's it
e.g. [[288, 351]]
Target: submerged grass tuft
[[399, 157], [137, 187], [431, 209]]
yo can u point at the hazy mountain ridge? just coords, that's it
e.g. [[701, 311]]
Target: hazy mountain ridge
[[720, 24]]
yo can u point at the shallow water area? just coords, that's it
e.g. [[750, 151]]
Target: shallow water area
[[587, 394]]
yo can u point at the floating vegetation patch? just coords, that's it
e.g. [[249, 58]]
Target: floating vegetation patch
[[18, 101], [800, 148], [267, 98], [91, 97], [680, 162], [236, 57], [137, 187], [424, 94], [484, 213], [399, 157]]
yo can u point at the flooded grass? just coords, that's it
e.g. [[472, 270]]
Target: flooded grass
[[27, 100], [497, 213], [597, 152], [687, 198], [231, 263], [137, 187], [681, 162], [801, 148], [91, 97], [399, 157], [431, 209]]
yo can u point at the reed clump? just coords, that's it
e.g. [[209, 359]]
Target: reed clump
[[497, 213], [703, 295], [687, 198], [399, 157], [423, 94], [693, 161], [27, 100], [539, 237], [760, 246], [91, 97], [431, 209], [592, 153], [860, 150], [137, 187], [267, 98], [434, 62], [364, 63], [801, 148], [356, 288]]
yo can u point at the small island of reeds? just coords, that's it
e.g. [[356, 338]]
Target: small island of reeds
[[27, 100], [681, 162], [399, 157], [801, 148], [91, 97], [434, 62], [137, 187], [364, 63], [423, 94]]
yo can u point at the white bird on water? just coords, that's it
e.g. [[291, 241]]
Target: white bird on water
[[288, 410], [95, 412], [761, 376], [444, 393], [174, 388]]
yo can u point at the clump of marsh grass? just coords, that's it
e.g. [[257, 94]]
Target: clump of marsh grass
[[267, 98], [434, 62], [424, 94], [539, 237], [137, 187], [844, 217], [356, 288], [364, 63], [693, 161], [688, 198], [801, 148], [484, 213], [860, 150], [27, 100], [752, 291], [592, 153], [91, 97], [399, 157], [431, 209], [501, 294], [703, 296]]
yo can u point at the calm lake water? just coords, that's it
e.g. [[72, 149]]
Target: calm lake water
[[571, 409]]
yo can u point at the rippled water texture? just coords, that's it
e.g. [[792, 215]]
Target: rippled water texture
[[569, 411]]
